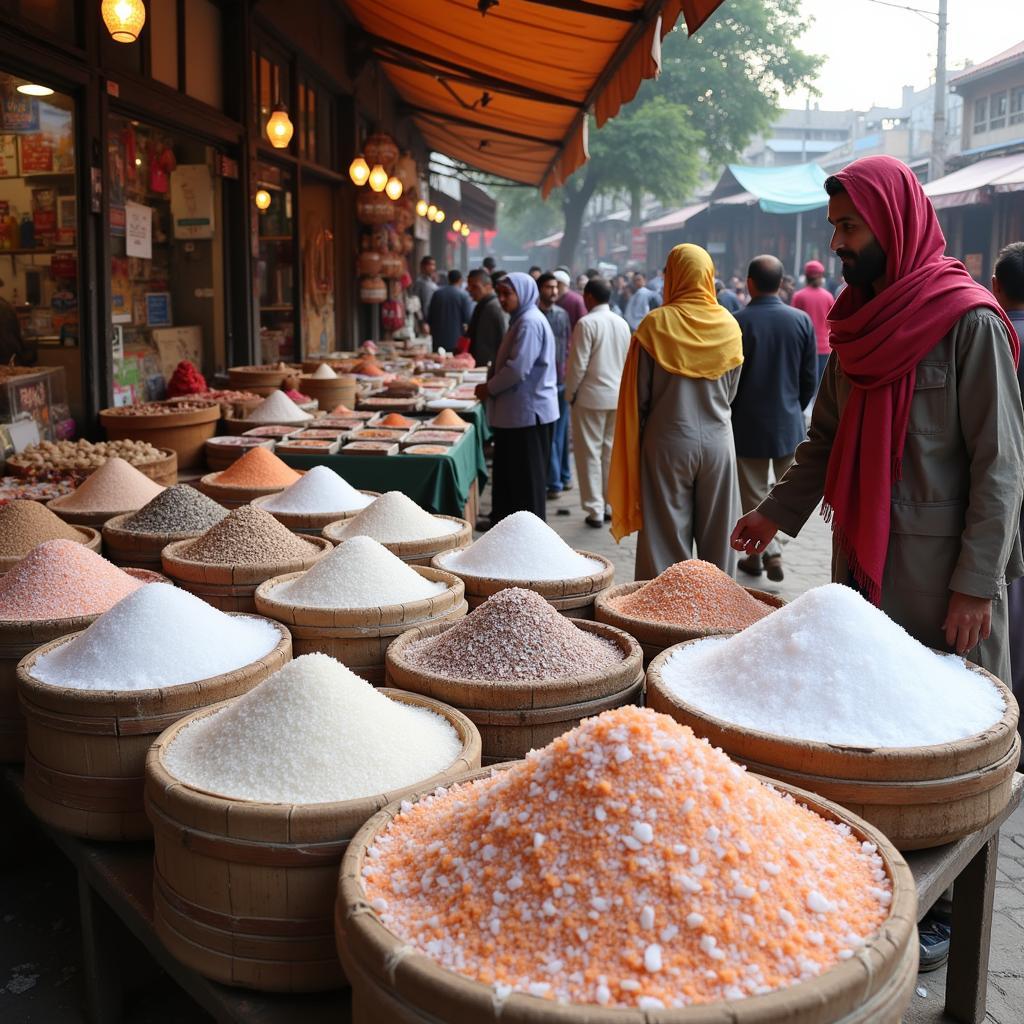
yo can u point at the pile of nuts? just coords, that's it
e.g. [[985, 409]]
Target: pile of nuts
[[71, 456]]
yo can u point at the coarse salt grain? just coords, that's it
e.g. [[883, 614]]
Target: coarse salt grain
[[394, 517], [180, 509], [319, 490], [832, 668], [257, 468], [312, 732], [695, 594], [358, 573], [514, 634], [521, 547], [156, 636], [248, 536], [62, 579], [117, 486], [711, 946], [278, 408], [24, 524]]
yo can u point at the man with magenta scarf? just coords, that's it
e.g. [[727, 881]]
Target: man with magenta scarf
[[916, 444], [522, 402]]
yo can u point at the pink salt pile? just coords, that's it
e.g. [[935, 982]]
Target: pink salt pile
[[626, 864], [117, 486], [694, 594], [62, 579]]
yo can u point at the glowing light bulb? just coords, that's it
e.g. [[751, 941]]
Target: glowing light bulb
[[465, 231], [378, 178], [421, 207], [393, 189], [440, 217], [30, 89], [431, 212], [456, 225], [280, 128], [359, 171], [262, 199], [124, 19]]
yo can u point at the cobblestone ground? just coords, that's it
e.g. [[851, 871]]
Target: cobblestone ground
[[806, 561]]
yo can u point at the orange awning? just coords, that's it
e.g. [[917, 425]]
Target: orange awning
[[509, 91]]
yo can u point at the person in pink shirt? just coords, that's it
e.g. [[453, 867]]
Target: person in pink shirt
[[816, 301]]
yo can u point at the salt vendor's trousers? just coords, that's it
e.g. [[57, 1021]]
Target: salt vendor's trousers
[[520, 470], [753, 479], [593, 431]]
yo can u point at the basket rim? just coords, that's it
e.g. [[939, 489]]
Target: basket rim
[[425, 541], [113, 526], [608, 568], [174, 559]]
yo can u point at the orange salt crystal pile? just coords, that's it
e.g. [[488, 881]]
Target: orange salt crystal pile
[[62, 579], [258, 467], [393, 419], [696, 594], [341, 410], [626, 864], [448, 418]]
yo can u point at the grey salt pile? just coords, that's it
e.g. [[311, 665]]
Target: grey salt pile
[[312, 733], [157, 636], [513, 635], [832, 668], [180, 509]]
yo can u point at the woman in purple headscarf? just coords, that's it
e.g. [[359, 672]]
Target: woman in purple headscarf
[[522, 402]]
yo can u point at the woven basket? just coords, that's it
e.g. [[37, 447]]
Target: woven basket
[[311, 523], [90, 538], [417, 552]]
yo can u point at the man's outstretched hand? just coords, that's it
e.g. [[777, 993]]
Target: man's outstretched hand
[[968, 621], [753, 533]]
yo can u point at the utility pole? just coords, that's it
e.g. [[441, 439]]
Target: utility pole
[[938, 161], [800, 217]]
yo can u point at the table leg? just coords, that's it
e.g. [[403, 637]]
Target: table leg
[[967, 973], [101, 932]]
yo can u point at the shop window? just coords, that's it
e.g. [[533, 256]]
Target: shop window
[[317, 116], [275, 268], [1017, 104], [997, 110], [39, 278], [273, 84], [980, 114], [167, 280]]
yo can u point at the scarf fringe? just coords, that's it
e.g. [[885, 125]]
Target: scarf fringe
[[869, 587]]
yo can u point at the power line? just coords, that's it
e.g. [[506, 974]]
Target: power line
[[931, 16]]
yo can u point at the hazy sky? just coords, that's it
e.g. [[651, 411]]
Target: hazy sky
[[872, 51]]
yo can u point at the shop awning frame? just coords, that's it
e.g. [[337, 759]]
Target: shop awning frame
[[976, 183], [509, 90]]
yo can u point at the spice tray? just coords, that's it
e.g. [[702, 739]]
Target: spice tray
[[308, 446], [369, 448]]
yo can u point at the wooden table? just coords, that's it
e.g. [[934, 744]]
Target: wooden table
[[115, 883]]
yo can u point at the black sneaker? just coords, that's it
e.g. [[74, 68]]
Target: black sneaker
[[594, 522], [933, 935]]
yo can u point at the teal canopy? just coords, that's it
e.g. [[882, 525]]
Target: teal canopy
[[793, 189]]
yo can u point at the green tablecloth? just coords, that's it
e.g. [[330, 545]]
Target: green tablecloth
[[439, 483]]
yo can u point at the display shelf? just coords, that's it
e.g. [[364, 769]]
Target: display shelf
[[35, 252]]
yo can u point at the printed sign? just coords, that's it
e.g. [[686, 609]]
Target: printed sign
[[138, 230], [192, 201]]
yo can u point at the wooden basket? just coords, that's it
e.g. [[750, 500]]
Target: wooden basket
[[235, 497], [86, 749], [184, 432], [138, 550], [332, 392], [517, 716], [220, 456], [90, 538], [231, 588], [21, 637], [311, 523], [418, 552], [394, 983], [258, 380], [654, 637], [572, 597], [360, 637], [163, 470], [918, 796], [243, 890]]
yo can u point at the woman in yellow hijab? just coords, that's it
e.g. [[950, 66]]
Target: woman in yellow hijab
[[673, 472]]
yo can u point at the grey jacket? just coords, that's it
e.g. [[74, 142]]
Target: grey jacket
[[956, 511]]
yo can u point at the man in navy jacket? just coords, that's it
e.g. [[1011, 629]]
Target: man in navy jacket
[[778, 381]]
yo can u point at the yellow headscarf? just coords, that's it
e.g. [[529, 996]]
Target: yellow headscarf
[[690, 335]]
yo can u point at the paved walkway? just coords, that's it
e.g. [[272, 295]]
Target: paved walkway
[[806, 559]]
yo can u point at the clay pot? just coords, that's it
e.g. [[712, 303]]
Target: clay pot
[[372, 208], [373, 290], [380, 148]]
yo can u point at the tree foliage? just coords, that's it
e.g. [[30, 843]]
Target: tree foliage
[[717, 90]]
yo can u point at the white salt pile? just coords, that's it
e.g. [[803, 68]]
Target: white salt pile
[[393, 517], [313, 732], [359, 573], [157, 636], [278, 408], [320, 490], [324, 372], [521, 547], [832, 668]]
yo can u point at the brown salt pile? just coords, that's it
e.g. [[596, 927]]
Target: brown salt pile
[[448, 418], [24, 524], [117, 486], [695, 594], [257, 468], [248, 536], [61, 579], [515, 634]]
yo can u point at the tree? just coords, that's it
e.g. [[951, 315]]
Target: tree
[[717, 89]]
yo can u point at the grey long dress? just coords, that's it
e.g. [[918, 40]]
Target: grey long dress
[[688, 481]]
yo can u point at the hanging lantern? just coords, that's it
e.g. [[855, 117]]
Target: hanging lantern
[[359, 171], [456, 225], [280, 128], [378, 178], [431, 211], [439, 217], [421, 207], [124, 19], [393, 189], [464, 231], [262, 199]]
